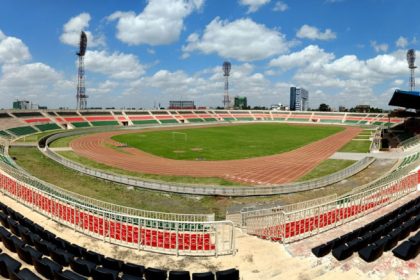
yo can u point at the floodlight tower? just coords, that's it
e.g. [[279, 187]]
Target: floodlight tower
[[411, 58], [81, 90], [226, 73]]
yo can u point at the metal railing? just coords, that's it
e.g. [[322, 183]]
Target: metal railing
[[98, 204], [410, 142], [392, 176], [205, 189], [192, 238], [247, 213], [295, 225]]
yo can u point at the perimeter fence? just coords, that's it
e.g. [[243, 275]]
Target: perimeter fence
[[410, 142]]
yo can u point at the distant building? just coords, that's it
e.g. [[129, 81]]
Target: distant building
[[298, 99], [240, 102], [26, 105], [362, 108], [342, 109], [279, 107], [22, 105], [181, 104]]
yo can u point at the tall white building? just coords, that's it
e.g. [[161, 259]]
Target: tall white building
[[298, 99]]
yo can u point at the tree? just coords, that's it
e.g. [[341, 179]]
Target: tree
[[324, 108]]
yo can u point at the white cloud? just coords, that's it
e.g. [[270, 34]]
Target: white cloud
[[379, 47], [344, 80], [205, 87], [13, 75], [280, 6], [34, 81], [402, 42], [253, 5], [72, 29], [160, 23], [37, 82], [313, 33], [312, 56], [116, 65], [388, 65], [242, 39], [12, 50], [398, 82], [105, 87]]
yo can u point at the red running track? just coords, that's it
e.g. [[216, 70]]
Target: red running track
[[150, 237], [275, 169]]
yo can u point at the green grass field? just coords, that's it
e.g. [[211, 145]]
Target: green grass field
[[359, 144], [356, 146], [226, 142]]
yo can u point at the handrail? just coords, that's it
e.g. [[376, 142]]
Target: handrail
[[410, 142], [288, 226]]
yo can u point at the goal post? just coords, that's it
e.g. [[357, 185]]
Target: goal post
[[179, 136]]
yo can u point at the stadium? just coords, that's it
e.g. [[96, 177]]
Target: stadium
[[207, 192], [105, 146]]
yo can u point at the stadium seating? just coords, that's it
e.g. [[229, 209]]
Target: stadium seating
[[80, 124], [4, 134], [48, 126], [229, 274], [24, 274], [54, 258], [383, 234], [145, 122], [168, 121], [15, 123], [68, 275], [179, 275], [155, 274], [103, 123], [23, 130], [203, 276], [47, 267], [8, 265]]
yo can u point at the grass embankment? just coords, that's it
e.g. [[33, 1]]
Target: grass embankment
[[326, 167], [226, 142], [359, 144], [35, 137], [63, 142], [174, 179], [37, 164]]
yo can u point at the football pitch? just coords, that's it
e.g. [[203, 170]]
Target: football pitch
[[226, 142]]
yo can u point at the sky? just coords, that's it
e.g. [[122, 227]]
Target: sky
[[142, 53]]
